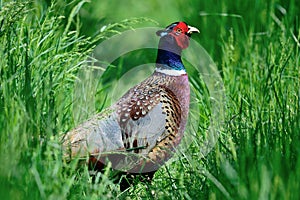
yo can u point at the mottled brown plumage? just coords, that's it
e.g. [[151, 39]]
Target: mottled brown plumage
[[139, 133]]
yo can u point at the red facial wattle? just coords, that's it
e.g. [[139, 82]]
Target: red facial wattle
[[179, 33], [183, 41]]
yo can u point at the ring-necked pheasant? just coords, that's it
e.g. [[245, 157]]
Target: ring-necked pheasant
[[139, 132]]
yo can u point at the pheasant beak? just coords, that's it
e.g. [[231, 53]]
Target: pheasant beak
[[192, 30]]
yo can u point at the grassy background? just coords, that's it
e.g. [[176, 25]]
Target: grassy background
[[255, 45]]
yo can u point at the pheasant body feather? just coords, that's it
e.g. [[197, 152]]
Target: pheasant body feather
[[148, 121], [152, 112]]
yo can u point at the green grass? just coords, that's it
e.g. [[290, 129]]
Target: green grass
[[255, 46]]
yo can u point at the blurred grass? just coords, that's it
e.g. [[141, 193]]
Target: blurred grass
[[255, 45]]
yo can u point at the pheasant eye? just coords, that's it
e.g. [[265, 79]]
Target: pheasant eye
[[179, 30]]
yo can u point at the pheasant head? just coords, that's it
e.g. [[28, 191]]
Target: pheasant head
[[177, 35], [174, 38]]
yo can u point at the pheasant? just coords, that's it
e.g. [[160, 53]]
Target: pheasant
[[140, 132]]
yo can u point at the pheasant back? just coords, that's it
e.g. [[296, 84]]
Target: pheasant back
[[140, 131]]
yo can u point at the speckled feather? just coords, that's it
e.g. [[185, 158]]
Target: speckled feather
[[149, 115], [148, 121]]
